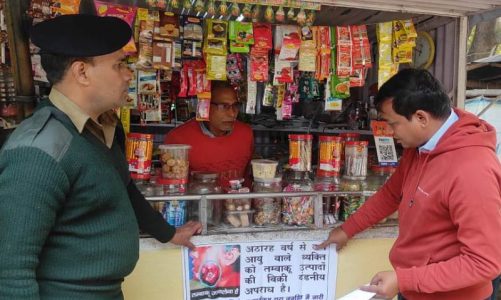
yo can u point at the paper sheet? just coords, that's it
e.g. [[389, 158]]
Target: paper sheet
[[358, 295]]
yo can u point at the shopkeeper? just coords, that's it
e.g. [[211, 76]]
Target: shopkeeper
[[222, 145], [69, 211]]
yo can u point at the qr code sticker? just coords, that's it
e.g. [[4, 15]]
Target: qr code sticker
[[386, 152]]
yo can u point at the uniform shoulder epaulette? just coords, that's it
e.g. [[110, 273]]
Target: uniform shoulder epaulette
[[42, 131]]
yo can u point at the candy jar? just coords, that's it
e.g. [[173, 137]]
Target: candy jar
[[298, 210]]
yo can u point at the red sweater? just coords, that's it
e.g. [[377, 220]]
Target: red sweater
[[230, 153], [449, 205]]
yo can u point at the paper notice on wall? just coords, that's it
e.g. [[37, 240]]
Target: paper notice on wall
[[260, 270], [358, 295]]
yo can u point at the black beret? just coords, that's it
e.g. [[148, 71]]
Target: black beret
[[81, 35]]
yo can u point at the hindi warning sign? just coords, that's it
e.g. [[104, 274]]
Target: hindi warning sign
[[288, 270]]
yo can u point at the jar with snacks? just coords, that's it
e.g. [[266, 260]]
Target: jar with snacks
[[264, 168], [238, 211], [300, 152], [175, 163], [376, 178], [347, 137], [203, 183], [350, 185], [298, 210], [351, 204], [356, 160], [330, 204], [138, 150], [267, 209], [329, 156]]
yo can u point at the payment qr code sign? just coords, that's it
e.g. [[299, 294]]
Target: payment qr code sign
[[385, 145]]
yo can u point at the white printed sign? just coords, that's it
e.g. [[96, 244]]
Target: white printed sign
[[288, 270]]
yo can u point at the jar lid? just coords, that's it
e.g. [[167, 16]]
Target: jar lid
[[264, 161], [329, 138], [307, 137], [174, 147], [134, 135], [350, 134], [357, 143], [205, 175], [268, 180]]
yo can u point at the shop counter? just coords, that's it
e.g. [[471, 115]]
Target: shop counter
[[159, 271]]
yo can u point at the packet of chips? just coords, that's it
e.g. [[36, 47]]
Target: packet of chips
[[126, 13]]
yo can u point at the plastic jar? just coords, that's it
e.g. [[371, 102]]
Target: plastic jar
[[330, 204], [174, 212], [264, 168], [356, 159], [300, 152], [329, 156], [298, 210], [267, 209], [138, 151], [175, 164], [238, 212], [203, 183]]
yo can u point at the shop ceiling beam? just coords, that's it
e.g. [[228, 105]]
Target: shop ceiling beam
[[19, 47], [448, 8]]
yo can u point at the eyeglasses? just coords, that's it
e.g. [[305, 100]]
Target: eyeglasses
[[226, 107]]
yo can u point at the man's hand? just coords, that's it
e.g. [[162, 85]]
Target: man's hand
[[384, 284], [337, 236], [185, 232]]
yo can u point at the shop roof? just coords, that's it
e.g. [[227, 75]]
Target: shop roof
[[450, 8]]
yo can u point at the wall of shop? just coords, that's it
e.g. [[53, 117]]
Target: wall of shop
[[159, 272]]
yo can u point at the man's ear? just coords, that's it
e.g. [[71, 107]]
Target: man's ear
[[422, 117], [79, 71]]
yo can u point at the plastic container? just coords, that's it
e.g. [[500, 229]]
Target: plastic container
[[330, 204], [329, 156], [350, 205], [203, 183], [356, 160], [237, 204], [138, 150], [267, 209], [174, 212], [264, 168], [175, 163], [239, 218], [300, 152], [298, 210]]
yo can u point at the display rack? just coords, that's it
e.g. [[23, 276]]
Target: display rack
[[203, 206]]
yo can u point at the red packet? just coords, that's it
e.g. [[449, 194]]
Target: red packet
[[259, 65], [262, 36], [203, 106]]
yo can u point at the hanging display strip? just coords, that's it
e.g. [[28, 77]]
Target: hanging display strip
[[287, 3]]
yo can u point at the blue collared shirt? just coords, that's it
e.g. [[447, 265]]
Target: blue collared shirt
[[432, 143]]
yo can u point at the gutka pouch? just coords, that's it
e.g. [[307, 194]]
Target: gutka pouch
[[126, 13], [340, 87], [64, 7]]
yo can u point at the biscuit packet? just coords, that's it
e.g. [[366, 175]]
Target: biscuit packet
[[203, 106], [126, 13], [147, 82], [64, 7], [167, 28], [339, 87]]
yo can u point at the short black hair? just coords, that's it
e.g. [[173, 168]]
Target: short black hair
[[56, 65], [221, 85], [412, 90]]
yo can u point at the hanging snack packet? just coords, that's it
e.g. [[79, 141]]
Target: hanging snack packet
[[307, 59], [147, 82], [192, 28], [167, 28], [357, 79], [340, 87], [126, 13], [239, 48], [64, 7], [259, 65], [234, 68], [343, 60], [244, 33], [216, 67], [203, 106], [162, 55], [262, 36], [283, 72]]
